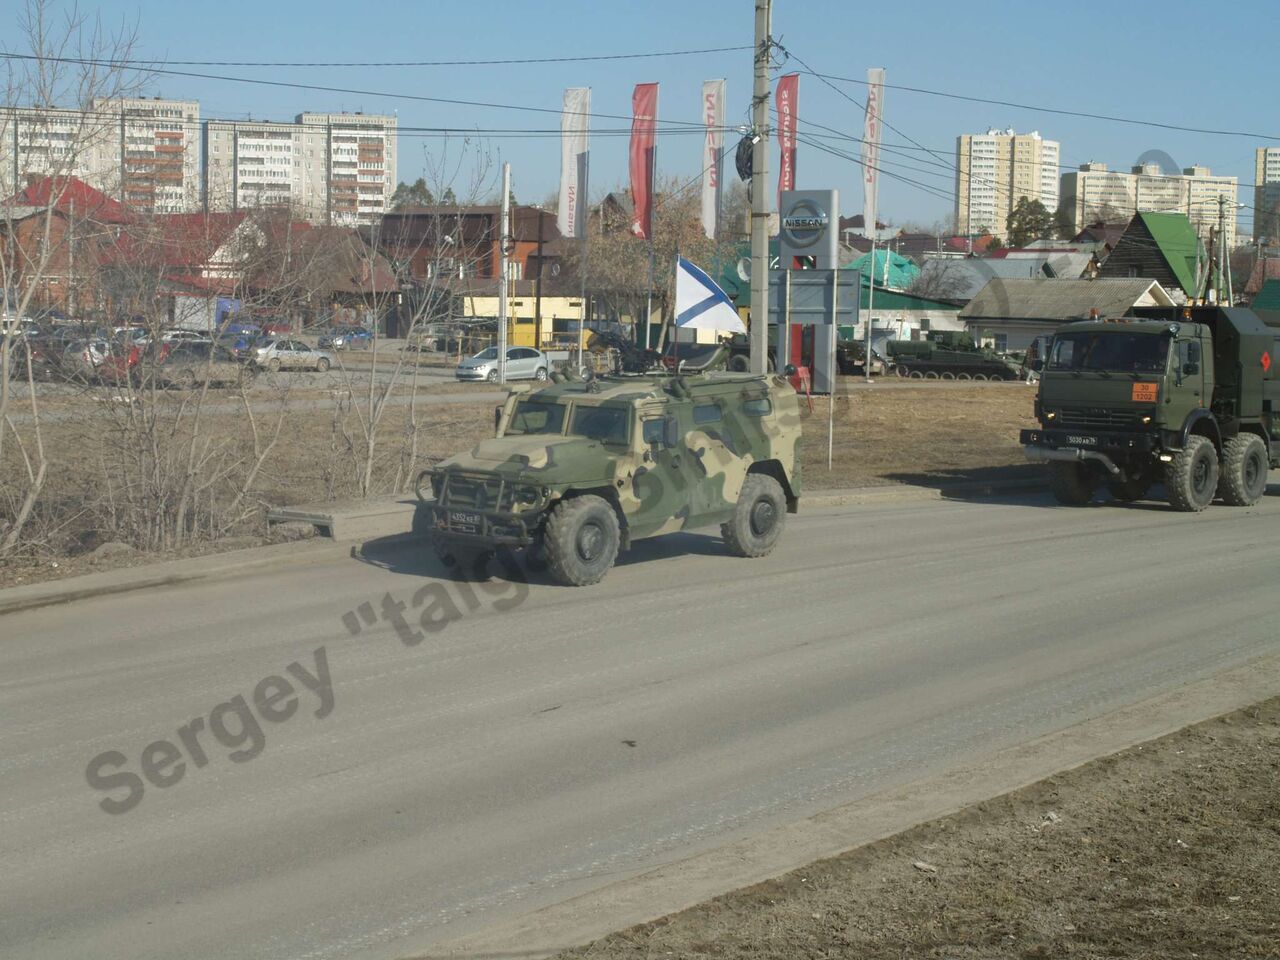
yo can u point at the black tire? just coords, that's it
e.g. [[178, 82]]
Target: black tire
[[541, 374], [186, 380], [915, 375], [1242, 481], [758, 517], [322, 365], [947, 375], [1129, 490], [1191, 478], [1072, 483], [980, 377], [273, 365], [964, 376], [581, 540], [902, 372], [463, 563], [493, 376], [931, 375], [739, 363]]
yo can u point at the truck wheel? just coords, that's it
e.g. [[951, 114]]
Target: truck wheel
[[581, 540], [1191, 478], [758, 518], [1243, 477], [1127, 491], [463, 563], [1072, 483], [739, 363]]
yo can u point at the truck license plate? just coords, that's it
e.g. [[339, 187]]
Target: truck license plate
[[464, 519], [1082, 441]]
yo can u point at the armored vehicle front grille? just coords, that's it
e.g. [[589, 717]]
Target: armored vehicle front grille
[[478, 491], [1098, 419]]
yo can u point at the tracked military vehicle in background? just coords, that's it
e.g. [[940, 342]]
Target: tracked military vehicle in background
[[948, 355]]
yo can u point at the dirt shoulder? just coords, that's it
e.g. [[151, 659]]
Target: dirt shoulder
[[1170, 849]]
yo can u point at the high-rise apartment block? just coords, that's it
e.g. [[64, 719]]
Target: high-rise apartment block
[[327, 167], [141, 151], [1266, 195], [1094, 193], [997, 169]]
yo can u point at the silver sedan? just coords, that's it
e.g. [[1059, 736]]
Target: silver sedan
[[289, 355], [523, 363]]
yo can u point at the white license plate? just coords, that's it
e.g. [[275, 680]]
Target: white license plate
[[470, 519], [1082, 441]]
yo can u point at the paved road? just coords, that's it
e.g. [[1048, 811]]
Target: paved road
[[548, 743]]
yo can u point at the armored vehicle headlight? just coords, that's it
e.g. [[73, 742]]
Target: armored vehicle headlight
[[1146, 419], [1050, 414]]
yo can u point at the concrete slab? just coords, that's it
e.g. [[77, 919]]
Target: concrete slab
[[352, 519]]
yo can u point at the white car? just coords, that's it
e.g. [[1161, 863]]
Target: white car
[[285, 354], [523, 363]]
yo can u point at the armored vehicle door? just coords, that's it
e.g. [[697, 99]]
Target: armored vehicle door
[[665, 483]]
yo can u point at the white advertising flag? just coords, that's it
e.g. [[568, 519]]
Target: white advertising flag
[[712, 159], [871, 147], [575, 126]]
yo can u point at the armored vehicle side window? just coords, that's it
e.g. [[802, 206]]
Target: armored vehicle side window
[[653, 430], [533, 416], [706, 413], [759, 407]]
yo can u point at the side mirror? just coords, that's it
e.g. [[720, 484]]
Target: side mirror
[[789, 370]]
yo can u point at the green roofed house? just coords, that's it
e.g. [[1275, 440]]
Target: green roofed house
[[1268, 297], [892, 270], [1162, 247]]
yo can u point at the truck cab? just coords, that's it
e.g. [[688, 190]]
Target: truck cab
[[1180, 397]]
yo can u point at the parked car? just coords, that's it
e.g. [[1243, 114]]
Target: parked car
[[82, 358], [120, 366], [239, 345], [284, 354], [187, 365], [183, 336], [343, 338], [523, 363]]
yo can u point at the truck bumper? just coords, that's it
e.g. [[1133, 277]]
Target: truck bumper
[[480, 527], [1045, 446]]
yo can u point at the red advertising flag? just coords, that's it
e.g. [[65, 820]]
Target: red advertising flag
[[788, 96], [644, 149]]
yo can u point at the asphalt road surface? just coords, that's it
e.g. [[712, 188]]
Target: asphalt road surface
[[391, 794]]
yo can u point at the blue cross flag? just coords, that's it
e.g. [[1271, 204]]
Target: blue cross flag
[[701, 304]]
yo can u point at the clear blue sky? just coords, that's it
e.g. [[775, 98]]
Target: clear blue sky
[[1175, 62]]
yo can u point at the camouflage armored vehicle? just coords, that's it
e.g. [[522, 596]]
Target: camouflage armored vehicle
[[949, 355], [1186, 397], [581, 469]]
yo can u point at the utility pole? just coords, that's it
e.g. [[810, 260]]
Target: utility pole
[[760, 190], [504, 239], [1222, 247]]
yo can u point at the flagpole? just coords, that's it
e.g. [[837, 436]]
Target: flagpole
[[871, 300], [584, 197]]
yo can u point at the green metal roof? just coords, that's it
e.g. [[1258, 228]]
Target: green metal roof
[[901, 271], [1268, 297], [1178, 242]]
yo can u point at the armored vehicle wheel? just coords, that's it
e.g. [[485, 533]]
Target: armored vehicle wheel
[[462, 562], [758, 518], [903, 372], [947, 375], [963, 376], [1191, 478], [581, 540], [931, 375], [1243, 477], [1126, 491], [917, 375], [739, 363], [981, 377], [1072, 483]]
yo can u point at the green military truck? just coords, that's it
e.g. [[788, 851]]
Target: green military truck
[[583, 468], [1186, 397]]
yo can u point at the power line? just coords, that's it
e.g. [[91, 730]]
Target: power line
[[148, 64], [1061, 112]]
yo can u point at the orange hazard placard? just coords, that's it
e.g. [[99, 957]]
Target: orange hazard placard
[[1145, 392]]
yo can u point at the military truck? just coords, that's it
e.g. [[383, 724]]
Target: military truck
[[583, 468], [1186, 397], [948, 355]]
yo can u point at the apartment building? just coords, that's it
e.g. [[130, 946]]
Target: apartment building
[[1095, 194], [1266, 195], [141, 151], [335, 168], [997, 169]]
